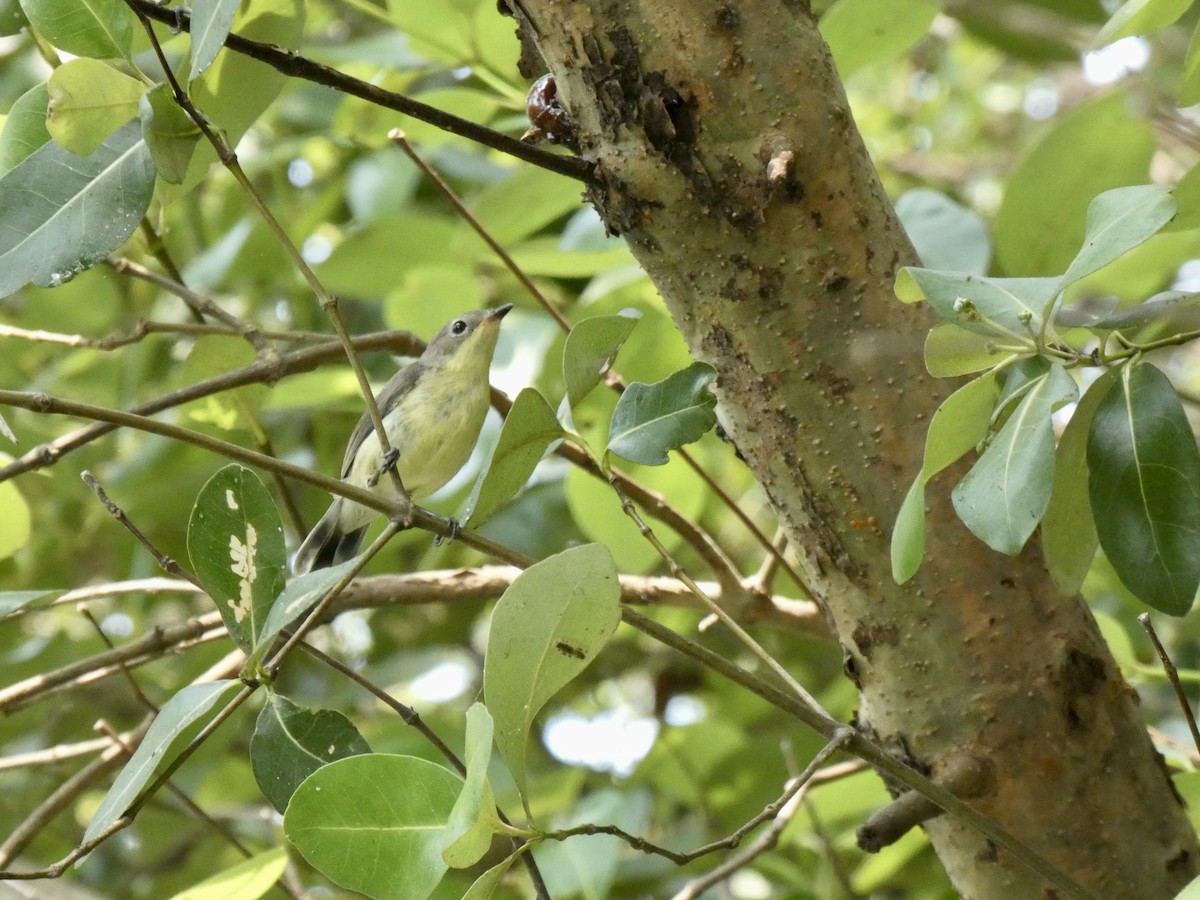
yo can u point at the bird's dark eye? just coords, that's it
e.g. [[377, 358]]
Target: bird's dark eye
[[459, 326]]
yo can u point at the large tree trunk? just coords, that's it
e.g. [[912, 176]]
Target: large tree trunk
[[729, 160]]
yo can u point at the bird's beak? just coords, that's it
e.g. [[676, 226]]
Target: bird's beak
[[499, 312]]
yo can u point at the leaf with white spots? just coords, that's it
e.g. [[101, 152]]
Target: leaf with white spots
[[235, 541]]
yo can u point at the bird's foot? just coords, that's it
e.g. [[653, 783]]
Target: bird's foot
[[451, 534], [387, 464]]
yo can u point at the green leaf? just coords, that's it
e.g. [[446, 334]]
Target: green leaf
[[652, 419], [13, 601], [590, 349], [63, 213], [169, 133], [211, 21], [1117, 221], [951, 351], [25, 128], [1140, 17], [908, 534], [469, 831], [16, 524], [958, 425], [523, 204], [863, 32], [212, 355], [290, 743], [991, 306], [301, 594], [1144, 484], [375, 823], [1003, 497], [176, 723], [235, 541], [945, 234], [248, 880], [89, 100], [99, 28], [528, 431], [484, 887], [1040, 223], [1069, 537], [549, 625], [235, 89]]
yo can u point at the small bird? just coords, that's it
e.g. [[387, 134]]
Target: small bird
[[432, 412]]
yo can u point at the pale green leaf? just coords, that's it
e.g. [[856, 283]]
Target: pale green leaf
[[1003, 497], [89, 100], [1140, 17], [1117, 221], [375, 823], [235, 89], [866, 32], [1040, 224], [1009, 308], [469, 832], [908, 534], [590, 349], [550, 624], [98, 28], [945, 234], [248, 880], [25, 127], [484, 887], [177, 721], [951, 350], [169, 132], [959, 424], [211, 20], [16, 523], [529, 429]]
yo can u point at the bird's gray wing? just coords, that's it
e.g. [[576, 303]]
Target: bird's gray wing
[[397, 385]]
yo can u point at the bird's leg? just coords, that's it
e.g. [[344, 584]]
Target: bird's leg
[[385, 465]]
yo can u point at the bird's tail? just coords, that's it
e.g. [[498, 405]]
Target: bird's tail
[[327, 545]]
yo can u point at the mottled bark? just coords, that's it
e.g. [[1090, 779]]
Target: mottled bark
[[728, 158]]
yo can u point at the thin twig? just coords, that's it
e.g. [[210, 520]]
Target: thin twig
[[166, 563], [60, 799], [715, 608], [781, 812], [397, 137], [198, 303], [295, 65], [1172, 676], [682, 858]]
